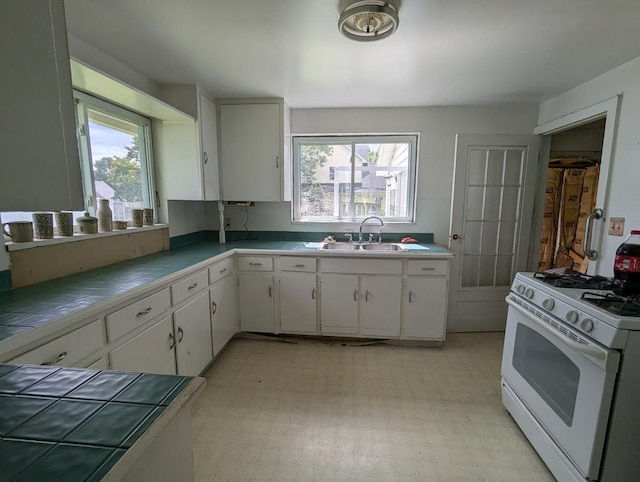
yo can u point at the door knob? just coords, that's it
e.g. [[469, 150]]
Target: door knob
[[455, 236]]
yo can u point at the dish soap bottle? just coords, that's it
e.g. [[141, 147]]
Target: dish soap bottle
[[105, 216]]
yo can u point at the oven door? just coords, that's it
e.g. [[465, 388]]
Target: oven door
[[565, 381]]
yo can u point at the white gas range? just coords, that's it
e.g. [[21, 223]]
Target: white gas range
[[571, 375]]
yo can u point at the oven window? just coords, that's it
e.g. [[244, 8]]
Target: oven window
[[548, 371]]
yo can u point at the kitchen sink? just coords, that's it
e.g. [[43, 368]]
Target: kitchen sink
[[362, 247], [383, 247]]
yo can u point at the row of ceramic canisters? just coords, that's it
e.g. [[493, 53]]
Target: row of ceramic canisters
[[42, 225]]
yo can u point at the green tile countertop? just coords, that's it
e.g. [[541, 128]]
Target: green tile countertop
[[75, 424], [23, 309]]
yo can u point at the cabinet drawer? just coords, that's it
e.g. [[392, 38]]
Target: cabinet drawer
[[297, 263], [188, 286], [361, 266], [68, 349], [220, 270], [428, 267], [126, 319], [255, 263]]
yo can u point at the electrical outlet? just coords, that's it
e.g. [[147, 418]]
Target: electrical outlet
[[616, 226], [227, 223]]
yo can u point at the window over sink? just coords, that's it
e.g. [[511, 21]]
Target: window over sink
[[340, 178]]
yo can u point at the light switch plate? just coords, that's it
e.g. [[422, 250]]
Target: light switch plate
[[616, 226]]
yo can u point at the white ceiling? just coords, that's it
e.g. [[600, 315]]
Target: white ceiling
[[445, 52]]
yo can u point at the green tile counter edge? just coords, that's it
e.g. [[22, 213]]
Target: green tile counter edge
[[28, 446], [31, 307]]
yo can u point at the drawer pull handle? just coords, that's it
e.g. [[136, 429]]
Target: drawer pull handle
[[269, 291], [299, 265], [313, 294], [255, 264], [223, 270], [214, 307], [57, 359], [355, 295], [194, 285], [144, 312], [429, 268], [180, 334], [410, 296], [366, 295], [172, 341]]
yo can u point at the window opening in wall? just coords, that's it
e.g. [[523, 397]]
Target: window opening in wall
[[350, 178], [115, 157]]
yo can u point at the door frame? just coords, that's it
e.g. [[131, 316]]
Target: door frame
[[606, 109]]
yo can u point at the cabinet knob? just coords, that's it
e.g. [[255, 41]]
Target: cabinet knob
[[277, 161], [172, 341], [180, 334], [410, 296], [313, 294], [366, 295], [270, 289], [355, 295], [214, 307], [193, 286], [206, 158], [144, 312]]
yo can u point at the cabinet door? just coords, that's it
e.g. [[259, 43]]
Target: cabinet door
[[380, 302], [192, 328], [223, 313], [298, 302], [250, 151], [209, 147], [339, 304], [151, 351], [40, 161], [424, 308], [256, 303]]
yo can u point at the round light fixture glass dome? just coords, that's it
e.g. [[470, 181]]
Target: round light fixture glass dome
[[368, 20]]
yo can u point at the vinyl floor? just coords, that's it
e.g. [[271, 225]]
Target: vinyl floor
[[319, 411]]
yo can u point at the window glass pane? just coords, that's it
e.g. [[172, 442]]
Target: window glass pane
[[503, 271], [510, 198], [507, 237], [477, 165], [475, 200], [348, 179], [492, 203], [495, 162], [472, 237], [487, 270], [470, 271], [117, 170], [489, 237], [513, 168]]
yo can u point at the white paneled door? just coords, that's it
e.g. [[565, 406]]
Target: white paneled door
[[491, 220]]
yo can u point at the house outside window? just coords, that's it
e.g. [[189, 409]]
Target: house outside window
[[350, 178]]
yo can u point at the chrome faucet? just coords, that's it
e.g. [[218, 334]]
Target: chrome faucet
[[362, 224]]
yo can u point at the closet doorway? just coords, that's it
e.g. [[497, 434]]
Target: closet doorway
[[573, 172]]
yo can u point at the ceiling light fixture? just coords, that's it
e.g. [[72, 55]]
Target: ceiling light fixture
[[368, 20]]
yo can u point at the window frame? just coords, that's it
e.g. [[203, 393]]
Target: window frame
[[410, 138], [86, 101]]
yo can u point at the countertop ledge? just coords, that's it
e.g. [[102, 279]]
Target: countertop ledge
[[34, 314]]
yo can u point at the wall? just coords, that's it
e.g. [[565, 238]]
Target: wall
[[437, 127], [623, 192]]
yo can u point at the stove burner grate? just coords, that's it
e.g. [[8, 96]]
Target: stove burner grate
[[573, 279], [618, 305]]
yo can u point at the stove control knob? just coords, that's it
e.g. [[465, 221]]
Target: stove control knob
[[572, 316], [520, 289], [587, 325], [529, 293], [548, 304]]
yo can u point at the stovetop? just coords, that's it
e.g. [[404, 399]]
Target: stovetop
[[573, 279], [612, 303], [567, 305]]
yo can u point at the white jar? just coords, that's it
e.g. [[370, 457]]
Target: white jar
[[105, 216]]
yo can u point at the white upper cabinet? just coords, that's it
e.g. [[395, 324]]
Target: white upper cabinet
[[254, 154], [40, 161], [186, 152]]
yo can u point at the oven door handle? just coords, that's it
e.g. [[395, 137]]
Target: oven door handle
[[585, 350]]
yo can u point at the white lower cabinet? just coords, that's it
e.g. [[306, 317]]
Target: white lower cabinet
[[256, 296], [380, 304], [298, 302], [339, 305], [223, 313], [151, 351], [425, 304], [192, 331]]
